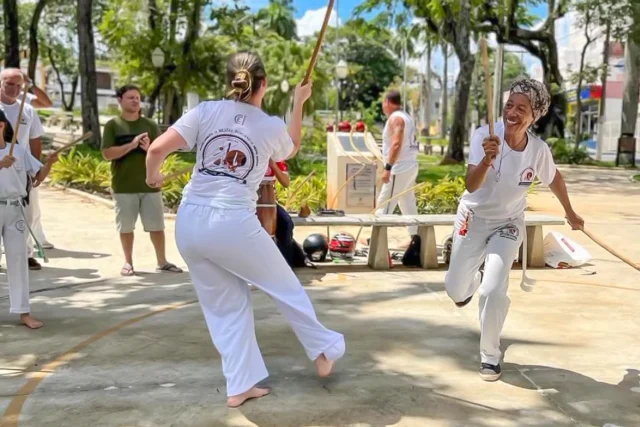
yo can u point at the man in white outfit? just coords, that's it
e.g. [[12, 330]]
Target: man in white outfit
[[37, 98], [30, 134], [400, 152]]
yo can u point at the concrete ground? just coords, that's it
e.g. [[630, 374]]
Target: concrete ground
[[136, 352]]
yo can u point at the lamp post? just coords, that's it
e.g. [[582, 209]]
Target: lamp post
[[157, 58], [284, 88], [342, 71]]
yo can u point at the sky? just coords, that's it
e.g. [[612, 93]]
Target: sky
[[310, 14]]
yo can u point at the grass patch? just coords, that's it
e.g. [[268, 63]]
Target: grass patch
[[432, 171], [433, 140], [636, 178]]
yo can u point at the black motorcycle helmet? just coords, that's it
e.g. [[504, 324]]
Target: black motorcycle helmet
[[315, 246]]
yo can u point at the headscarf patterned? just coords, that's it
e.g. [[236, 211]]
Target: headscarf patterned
[[536, 92]]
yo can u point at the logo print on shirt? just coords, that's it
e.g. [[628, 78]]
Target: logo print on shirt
[[239, 119], [526, 177], [229, 155]]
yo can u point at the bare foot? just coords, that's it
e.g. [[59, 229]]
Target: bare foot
[[254, 393], [30, 322], [324, 366]]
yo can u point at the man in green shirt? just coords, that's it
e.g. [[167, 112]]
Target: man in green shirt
[[125, 143]]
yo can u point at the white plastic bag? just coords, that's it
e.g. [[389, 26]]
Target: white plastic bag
[[562, 252]]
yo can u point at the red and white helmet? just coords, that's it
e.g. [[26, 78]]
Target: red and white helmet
[[342, 245]]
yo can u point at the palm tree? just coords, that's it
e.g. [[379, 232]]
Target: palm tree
[[279, 18]]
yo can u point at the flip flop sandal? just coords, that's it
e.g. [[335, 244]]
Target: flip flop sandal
[[168, 267], [127, 270]]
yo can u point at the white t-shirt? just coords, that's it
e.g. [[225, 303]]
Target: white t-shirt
[[235, 141], [30, 125], [507, 198], [30, 97], [408, 157], [13, 180]]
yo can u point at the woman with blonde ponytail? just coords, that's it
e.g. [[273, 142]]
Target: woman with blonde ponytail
[[219, 235]]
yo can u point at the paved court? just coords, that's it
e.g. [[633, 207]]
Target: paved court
[[136, 352]]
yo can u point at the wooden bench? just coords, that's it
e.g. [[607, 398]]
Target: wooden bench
[[379, 245]]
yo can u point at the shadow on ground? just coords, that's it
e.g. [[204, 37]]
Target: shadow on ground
[[401, 366]]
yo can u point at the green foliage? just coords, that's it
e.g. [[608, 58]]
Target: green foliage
[[431, 170], [133, 29], [303, 165], [110, 110], [372, 65], [82, 170], [25, 12], [441, 197], [58, 39], [513, 69], [636, 178], [279, 17], [313, 193], [567, 153], [314, 138], [288, 60], [172, 189]]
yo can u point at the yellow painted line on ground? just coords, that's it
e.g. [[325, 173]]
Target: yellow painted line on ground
[[12, 413]]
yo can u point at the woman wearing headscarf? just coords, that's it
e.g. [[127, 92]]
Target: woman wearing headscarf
[[490, 222]]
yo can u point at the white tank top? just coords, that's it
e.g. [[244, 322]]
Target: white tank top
[[408, 156]]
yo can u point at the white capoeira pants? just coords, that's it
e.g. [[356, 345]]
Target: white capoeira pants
[[496, 243], [34, 215], [226, 250], [13, 231], [397, 184]]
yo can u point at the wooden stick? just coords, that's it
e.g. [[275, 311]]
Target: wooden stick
[[298, 187], [353, 145], [77, 141], [610, 249], [17, 125], [314, 57], [487, 84], [398, 195], [343, 186]]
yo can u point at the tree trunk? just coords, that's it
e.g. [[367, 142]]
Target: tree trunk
[[578, 127], [445, 95], [605, 77], [33, 39], [74, 88], [11, 36], [541, 43], [455, 151], [428, 93], [631, 87], [52, 61], [88, 84], [461, 38]]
